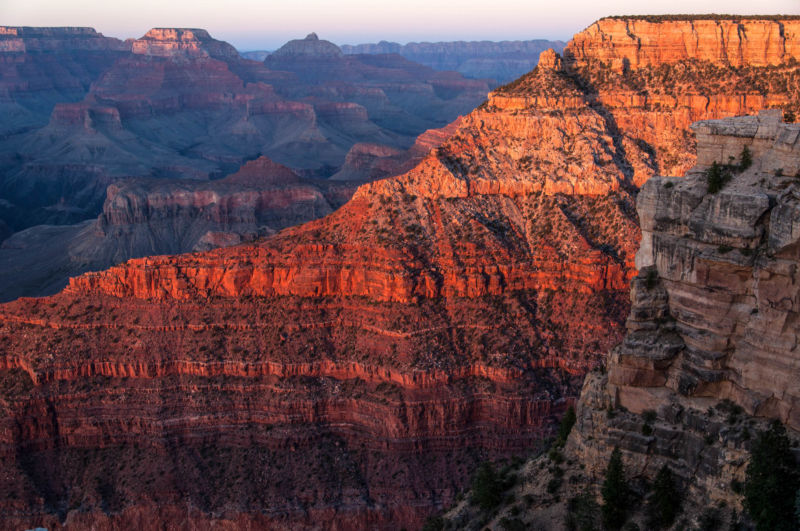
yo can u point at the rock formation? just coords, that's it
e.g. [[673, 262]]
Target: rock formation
[[44, 66], [350, 372], [153, 217], [710, 352], [177, 103], [499, 61]]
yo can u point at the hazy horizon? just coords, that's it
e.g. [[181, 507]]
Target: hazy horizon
[[259, 25]]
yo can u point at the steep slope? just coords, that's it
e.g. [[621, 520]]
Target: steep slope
[[709, 357], [350, 372], [499, 61]]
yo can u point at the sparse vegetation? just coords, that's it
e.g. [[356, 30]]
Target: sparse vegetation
[[717, 176], [745, 159], [567, 422], [651, 279], [615, 492]]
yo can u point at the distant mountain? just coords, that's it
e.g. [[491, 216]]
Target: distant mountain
[[501, 61], [83, 114]]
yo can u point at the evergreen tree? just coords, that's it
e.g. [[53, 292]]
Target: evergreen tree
[[715, 178], [745, 159], [772, 481], [487, 488], [615, 492], [665, 500], [566, 426]]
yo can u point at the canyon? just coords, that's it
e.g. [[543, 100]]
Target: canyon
[[499, 61], [352, 371], [709, 357], [178, 108]]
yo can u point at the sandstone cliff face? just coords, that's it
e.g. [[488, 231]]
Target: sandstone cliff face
[[709, 357], [725, 265], [452, 303], [176, 42], [634, 43]]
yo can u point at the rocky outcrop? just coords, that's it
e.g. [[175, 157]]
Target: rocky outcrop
[[500, 61], [483, 283], [640, 42], [709, 357], [310, 47], [724, 264], [177, 42]]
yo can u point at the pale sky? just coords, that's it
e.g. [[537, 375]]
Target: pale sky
[[267, 24]]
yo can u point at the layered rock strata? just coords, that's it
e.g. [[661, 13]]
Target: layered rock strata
[[709, 357], [178, 103], [468, 293]]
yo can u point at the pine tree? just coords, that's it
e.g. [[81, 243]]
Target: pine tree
[[566, 426], [665, 500], [715, 178], [615, 492], [487, 489], [772, 481], [745, 159]]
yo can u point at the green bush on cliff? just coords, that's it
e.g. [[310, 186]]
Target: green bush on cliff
[[615, 492], [717, 176], [567, 422], [487, 487], [771, 482], [745, 159], [664, 502]]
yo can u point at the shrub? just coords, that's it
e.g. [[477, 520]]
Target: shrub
[[651, 279], [615, 492], [512, 524], [724, 249], [567, 422], [745, 159], [772, 481], [487, 488], [717, 177], [664, 503], [433, 523]]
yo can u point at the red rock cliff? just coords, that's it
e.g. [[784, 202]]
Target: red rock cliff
[[355, 368]]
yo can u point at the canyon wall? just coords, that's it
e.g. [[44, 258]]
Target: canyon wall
[[499, 61], [461, 303], [710, 355]]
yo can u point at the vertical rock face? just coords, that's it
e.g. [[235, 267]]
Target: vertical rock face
[[438, 318], [710, 354], [172, 42], [725, 263], [633, 43], [711, 347]]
